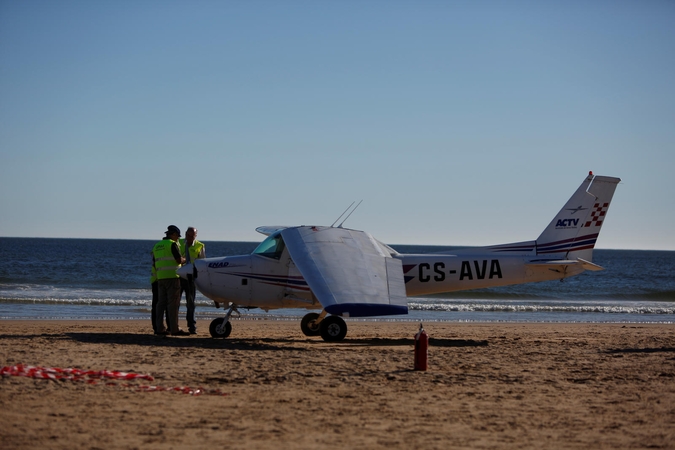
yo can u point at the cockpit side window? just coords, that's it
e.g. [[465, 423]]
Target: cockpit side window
[[272, 247]]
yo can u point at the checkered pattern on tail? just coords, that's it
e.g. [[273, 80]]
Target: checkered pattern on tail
[[599, 212]]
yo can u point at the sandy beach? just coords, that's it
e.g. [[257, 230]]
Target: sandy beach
[[269, 387]]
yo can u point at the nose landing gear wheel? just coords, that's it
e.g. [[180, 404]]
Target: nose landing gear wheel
[[333, 329], [218, 331]]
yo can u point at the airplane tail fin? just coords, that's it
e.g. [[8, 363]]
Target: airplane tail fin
[[574, 230]]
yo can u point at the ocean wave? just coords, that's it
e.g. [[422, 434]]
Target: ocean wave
[[520, 307], [498, 294], [79, 301]]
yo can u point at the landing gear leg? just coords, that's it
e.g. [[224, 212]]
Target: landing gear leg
[[310, 324], [221, 327]]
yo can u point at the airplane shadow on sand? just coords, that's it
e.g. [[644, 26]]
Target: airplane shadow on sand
[[642, 350], [252, 343]]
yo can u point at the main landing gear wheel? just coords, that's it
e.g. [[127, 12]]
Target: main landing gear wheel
[[220, 330], [333, 329], [309, 326]]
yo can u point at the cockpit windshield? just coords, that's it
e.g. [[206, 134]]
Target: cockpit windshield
[[272, 247]]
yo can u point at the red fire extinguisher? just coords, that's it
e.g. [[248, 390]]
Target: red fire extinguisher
[[421, 349]]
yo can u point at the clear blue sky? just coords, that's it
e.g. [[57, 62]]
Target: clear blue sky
[[456, 122]]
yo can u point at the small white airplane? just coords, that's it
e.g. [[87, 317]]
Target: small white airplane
[[348, 273]]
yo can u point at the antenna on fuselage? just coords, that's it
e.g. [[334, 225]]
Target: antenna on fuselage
[[340, 226], [342, 215]]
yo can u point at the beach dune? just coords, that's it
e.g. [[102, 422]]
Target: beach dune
[[268, 386]]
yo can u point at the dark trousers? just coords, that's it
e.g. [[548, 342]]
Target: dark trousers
[[155, 297], [188, 286], [168, 300]]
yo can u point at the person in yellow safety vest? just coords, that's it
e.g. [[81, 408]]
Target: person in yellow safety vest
[[154, 283], [191, 249], [166, 259]]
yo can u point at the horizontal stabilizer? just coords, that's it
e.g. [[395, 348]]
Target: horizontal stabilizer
[[586, 265], [558, 262], [590, 266]]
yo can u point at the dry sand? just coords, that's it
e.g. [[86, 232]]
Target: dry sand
[[488, 386]]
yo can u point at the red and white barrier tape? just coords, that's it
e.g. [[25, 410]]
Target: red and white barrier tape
[[56, 373], [93, 377]]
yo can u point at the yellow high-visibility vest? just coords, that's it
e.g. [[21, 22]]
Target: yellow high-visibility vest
[[195, 249], [165, 263]]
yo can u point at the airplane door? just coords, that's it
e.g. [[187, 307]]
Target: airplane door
[[269, 263], [271, 276]]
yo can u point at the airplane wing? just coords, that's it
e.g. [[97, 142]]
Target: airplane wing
[[267, 230], [350, 273]]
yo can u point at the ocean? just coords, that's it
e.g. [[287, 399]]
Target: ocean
[[46, 278]]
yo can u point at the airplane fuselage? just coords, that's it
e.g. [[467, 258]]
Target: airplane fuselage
[[269, 283], [430, 274], [252, 281]]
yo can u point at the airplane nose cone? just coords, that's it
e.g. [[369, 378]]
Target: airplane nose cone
[[184, 271]]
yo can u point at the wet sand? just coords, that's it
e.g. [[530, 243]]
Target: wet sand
[[572, 386]]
